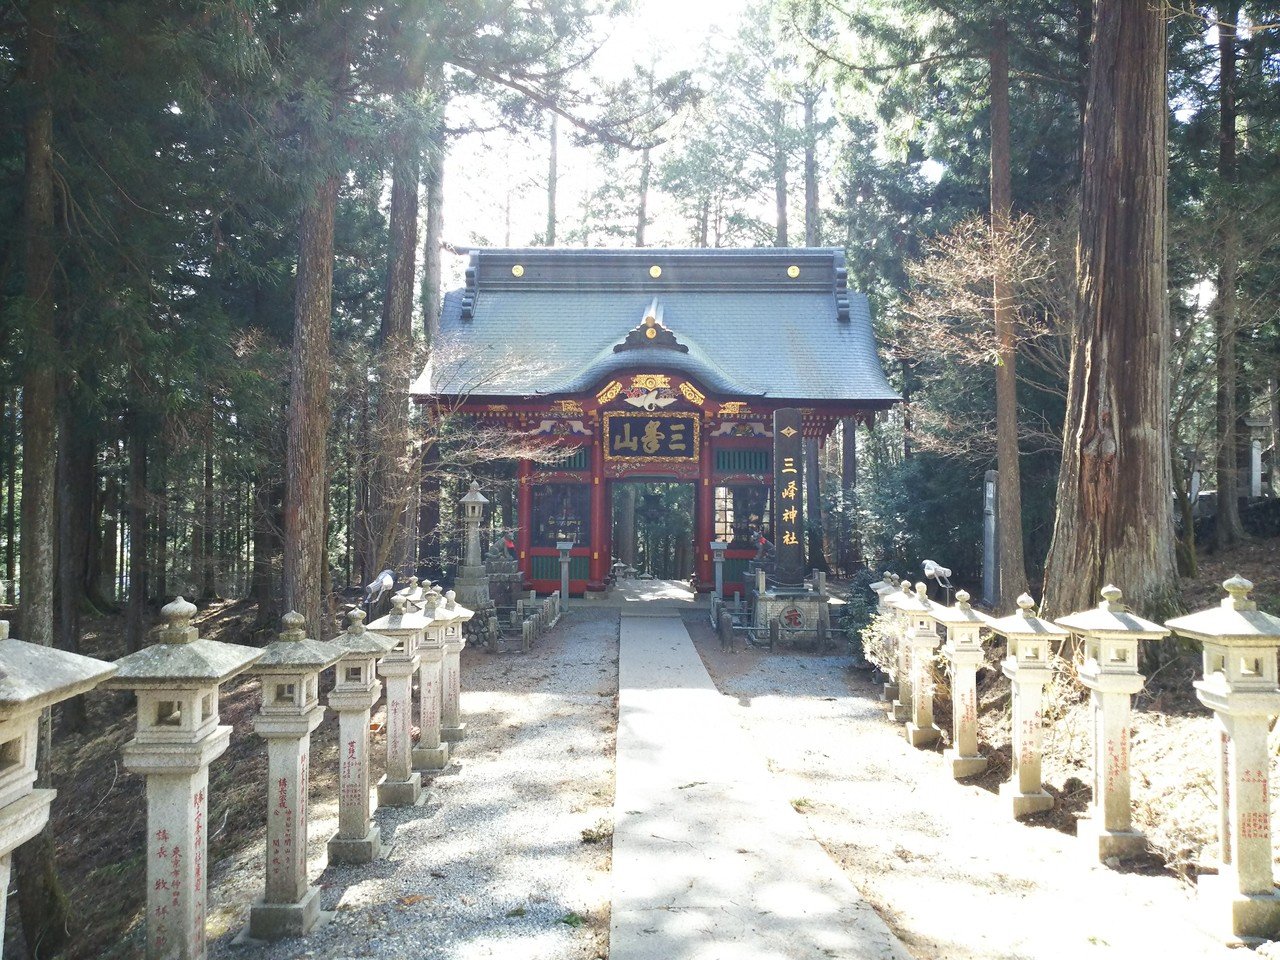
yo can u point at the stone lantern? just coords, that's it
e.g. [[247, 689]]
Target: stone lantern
[[1026, 664], [290, 670], [1111, 637], [718, 548], [882, 588], [358, 840], [452, 729], [921, 640], [32, 677], [413, 592], [431, 754], [176, 681], [402, 785], [963, 648], [1239, 686], [473, 579]]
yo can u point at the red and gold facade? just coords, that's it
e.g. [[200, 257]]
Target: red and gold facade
[[645, 424]]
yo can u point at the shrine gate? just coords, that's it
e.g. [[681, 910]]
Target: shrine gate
[[652, 364]]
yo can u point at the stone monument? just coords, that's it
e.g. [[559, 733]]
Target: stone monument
[[401, 786]]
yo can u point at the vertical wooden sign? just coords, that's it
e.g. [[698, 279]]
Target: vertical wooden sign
[[788, 496]]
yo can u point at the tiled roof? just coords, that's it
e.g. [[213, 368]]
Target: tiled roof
[[546, 322]]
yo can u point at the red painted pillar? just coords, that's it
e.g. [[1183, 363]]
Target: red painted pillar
[[598, 564], [524, 515], [704, 521]]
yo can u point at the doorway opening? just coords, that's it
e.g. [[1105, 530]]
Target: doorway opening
[[653, 526]]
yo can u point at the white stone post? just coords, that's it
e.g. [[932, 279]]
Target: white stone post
[[1026, 664], [401, 786], [32, 677], [452, 729], [963, 649], [896, 694], [1255, 469], [1239, 686], [431, 753], [564, 546], [718, 547], [176, 681], [921, 639], [290, 669], [1111, 636], [355, 691]]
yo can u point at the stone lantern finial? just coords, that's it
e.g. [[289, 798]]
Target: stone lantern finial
[[355, 621], [962, 599], [294, 625], [451, 599], [397, 605], [1026, 605], [1111, 599], [177, 627], [921, 590], [1238, 594]]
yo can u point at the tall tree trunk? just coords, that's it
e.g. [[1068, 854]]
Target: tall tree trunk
[[160, 572], [553, 181], [433, 188], [110, 530], [1012, 574], [1114, 521], [75, 507], [812, 215], [642, 214], [1227, 528], [268, 495], [42, 905], [208, 550], [306, 465], [10, 498], [779, 180], [392, 481], [135, 613]]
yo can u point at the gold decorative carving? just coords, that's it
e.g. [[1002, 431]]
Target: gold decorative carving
[[568, 406], [649, 381], [733, 408], [788, 431], [495, 407], [692, 394], [609, 392]]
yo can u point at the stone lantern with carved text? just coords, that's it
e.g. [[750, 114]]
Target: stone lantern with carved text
[[402, 785], [921, 640], [452, 729], [963, 649]]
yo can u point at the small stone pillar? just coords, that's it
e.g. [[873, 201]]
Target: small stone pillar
[[1026, 664], [921, 639], [718, 547], [401, 786], [762, 581], [32, 677], [564, 546], [1255, 469], [431, 754], [452, 729], [1239, 686], [472, 583], [898, 690], [357, 689], [963, 649], [290, 669], [1111, 635], [176, 681]]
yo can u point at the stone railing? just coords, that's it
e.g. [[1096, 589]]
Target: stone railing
[[1239, 683], [535, 619]]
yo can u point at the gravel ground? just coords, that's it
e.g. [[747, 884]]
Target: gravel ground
[[509, 856], [944, 863]]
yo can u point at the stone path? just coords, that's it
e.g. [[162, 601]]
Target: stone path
[[709, 860]]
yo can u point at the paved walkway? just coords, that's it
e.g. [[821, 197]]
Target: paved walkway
[[709, 859]]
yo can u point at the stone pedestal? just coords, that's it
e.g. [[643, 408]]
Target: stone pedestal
[[1027, 667], [1240, 687], [1111, 635], [914, 658], [289, 906], [290, 669], [452, 729], [921, 730], [176, 680], [431, 753], [963, 649], [356, 690], [401, 786]]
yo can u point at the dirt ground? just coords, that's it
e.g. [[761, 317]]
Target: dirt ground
[[943, 862]]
